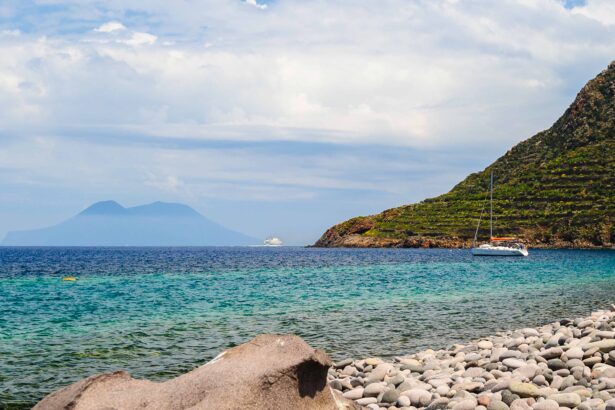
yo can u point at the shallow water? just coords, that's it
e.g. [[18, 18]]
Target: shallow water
[[159, 312]]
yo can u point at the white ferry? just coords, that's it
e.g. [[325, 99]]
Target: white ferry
[[273, 241]]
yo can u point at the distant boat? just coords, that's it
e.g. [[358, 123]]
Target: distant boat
[[273, 241], [502, 246]]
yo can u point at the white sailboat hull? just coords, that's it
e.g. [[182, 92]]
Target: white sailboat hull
[[498, 251], [499, 246]]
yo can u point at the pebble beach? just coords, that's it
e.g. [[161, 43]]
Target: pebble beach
[[568, 364]]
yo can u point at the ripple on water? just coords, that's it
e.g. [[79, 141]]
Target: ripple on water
[[161, 312]]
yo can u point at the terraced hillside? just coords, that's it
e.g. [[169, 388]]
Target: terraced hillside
[[556, 189]]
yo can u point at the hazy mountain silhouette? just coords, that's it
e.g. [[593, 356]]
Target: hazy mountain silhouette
[[108, 223]]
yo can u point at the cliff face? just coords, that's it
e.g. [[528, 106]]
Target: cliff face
[[556, 189]]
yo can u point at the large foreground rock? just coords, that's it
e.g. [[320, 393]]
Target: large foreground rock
[[268, 372]]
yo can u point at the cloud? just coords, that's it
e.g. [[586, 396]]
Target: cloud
[[169, 183], [132, 38], [255, 4], [599, 10], [362, 104], [390, 77], [10, 33], [110, 27], [138, 39]]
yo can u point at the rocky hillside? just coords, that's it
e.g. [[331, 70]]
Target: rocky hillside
[[556, 189]]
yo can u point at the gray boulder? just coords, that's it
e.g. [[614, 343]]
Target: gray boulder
[[270, 371]]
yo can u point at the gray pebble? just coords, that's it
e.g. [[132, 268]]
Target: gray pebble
[[497, 405], [390, 396], [343, 363]]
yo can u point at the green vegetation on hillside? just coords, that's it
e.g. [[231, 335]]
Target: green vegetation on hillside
[[556, 188]]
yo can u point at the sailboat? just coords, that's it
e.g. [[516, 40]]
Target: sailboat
[[497, 246]]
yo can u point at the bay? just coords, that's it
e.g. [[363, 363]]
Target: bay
[[159, 312]]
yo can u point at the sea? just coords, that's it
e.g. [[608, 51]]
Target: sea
[[160, 312]]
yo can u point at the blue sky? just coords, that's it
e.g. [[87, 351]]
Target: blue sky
[[279, 117]]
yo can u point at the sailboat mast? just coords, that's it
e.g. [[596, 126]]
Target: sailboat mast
[[491, 209]]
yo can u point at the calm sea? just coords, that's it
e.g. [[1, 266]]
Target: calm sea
[[159, 312]]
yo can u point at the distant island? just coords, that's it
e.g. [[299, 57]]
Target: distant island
[[556, 189], [108, 223]]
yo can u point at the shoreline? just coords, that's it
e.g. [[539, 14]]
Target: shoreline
[[333, 238], [401, 246], [366, 242], [565, 364]]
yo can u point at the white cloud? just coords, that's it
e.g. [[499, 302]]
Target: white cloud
[[110, 27], [138, 39], [599, 10], [168, 183], [256, 4], [132, 38], [10, 33], [424, 73]]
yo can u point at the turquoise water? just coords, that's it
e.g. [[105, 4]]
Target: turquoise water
[[159, 312]]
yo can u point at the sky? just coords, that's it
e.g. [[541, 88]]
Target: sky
[[276, 117]]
